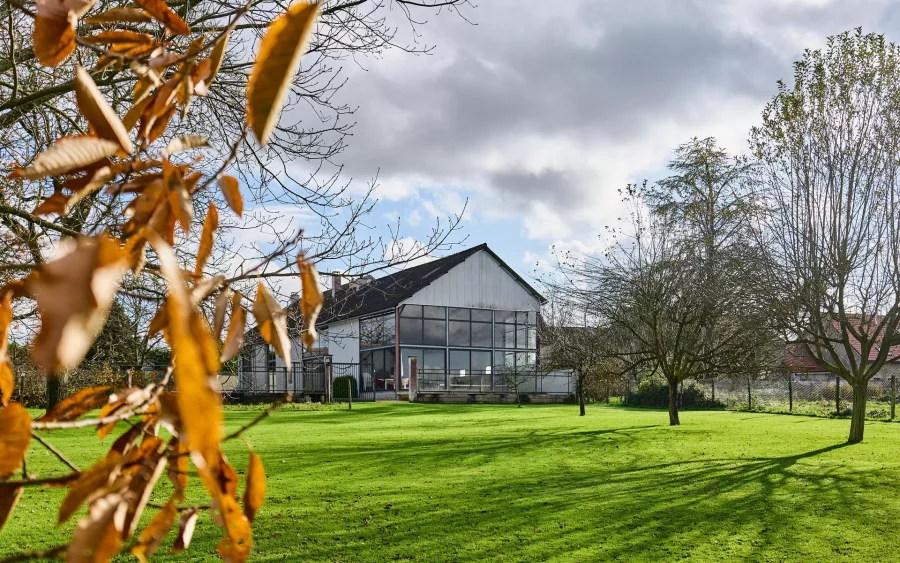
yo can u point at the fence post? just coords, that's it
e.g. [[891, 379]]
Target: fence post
[[329, 392], [413, 379], [713, 390], [893, 394], [837, 395], [790, 393]]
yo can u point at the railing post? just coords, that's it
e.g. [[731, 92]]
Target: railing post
[[893, 394], [837, 395], [790, 393], [749, 396], [713, 390]]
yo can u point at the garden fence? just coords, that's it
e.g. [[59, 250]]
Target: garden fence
[[789, 394]]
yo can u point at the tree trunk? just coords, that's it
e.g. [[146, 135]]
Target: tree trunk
[[56, 388], [673, 403], [580, 395], [858, 419]]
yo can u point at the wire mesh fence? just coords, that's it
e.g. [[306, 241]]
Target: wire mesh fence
[[814, 395]]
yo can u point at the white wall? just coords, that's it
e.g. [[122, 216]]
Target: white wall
[[478, 282], [342, 340]]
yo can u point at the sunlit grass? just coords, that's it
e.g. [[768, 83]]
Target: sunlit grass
[[399, 482]]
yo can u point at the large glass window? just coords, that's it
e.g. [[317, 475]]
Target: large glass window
[[378, 369], [431, 366], [515, 329], [423, 325], [470, 327], [376, 332]]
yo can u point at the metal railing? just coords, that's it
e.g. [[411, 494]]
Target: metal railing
[[494, 381]]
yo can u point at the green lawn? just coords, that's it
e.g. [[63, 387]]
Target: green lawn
[[399, 482]]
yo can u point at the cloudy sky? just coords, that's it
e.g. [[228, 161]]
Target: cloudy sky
[[540, 111]]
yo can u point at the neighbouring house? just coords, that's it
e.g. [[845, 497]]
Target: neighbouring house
[[802, 366], [468, 319]]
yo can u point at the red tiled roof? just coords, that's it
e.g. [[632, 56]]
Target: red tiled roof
[[873, 353], [795, 357]]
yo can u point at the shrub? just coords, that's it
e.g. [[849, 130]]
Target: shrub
[[343, 385], [654, 392]]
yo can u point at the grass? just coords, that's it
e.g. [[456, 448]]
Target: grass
[[399, 482]]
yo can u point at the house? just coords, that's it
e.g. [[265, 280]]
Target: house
[[468, 319], [801, 365]]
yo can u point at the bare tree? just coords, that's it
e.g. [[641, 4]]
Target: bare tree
[[830, 152]]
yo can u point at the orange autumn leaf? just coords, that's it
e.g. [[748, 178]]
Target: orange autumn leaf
[[235, 337], [198, 402], [217, 56], [311, 300], [131, 15], [236, 543], [76, 405], [153, 535], [178, 467], [53, 39], [164, 15], [255, 491], [9, 496], [7, 379], [74, 293], [219, 315], [15, 435], [271, 320], [97, 112], [118, 36], [207, 237], [232, 192], [277, 62]]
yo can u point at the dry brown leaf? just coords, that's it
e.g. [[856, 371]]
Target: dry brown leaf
[[58, 204], [9, 496], [98, 536], [67, 155], [185, 531], [7, 380], [219, 315], [185, 143], [276, 64], [217, 56], [179, 198], [160, 123], [144, 477], [198, 402], [59, 9], [155, 532], [207, 237], [235, 337], [132, 15], [232, 192], [255, 491], [164, 15], [74, 293], [53, 39], [311, 300], [134, 114], [118, 36], [90, 485], [271, 320], [98, 113], [15, 434], [74, 406]]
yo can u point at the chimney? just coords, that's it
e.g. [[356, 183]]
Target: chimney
[[336, 281]]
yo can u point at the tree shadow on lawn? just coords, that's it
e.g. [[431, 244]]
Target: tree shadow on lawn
[[474, 497]]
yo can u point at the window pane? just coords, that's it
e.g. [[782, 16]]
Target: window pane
[[505, 316], [434, 359], [411, 311], [390, 361], [459, 314], [459, 333], [521, 336], [410, 331], [481, 335], [459, 359], [435, 333], [522, 317], [482, 315], [532, 318], [481, 361], [435, 312], [504, 336], [377, 331], [504, 359], [532, 338]]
